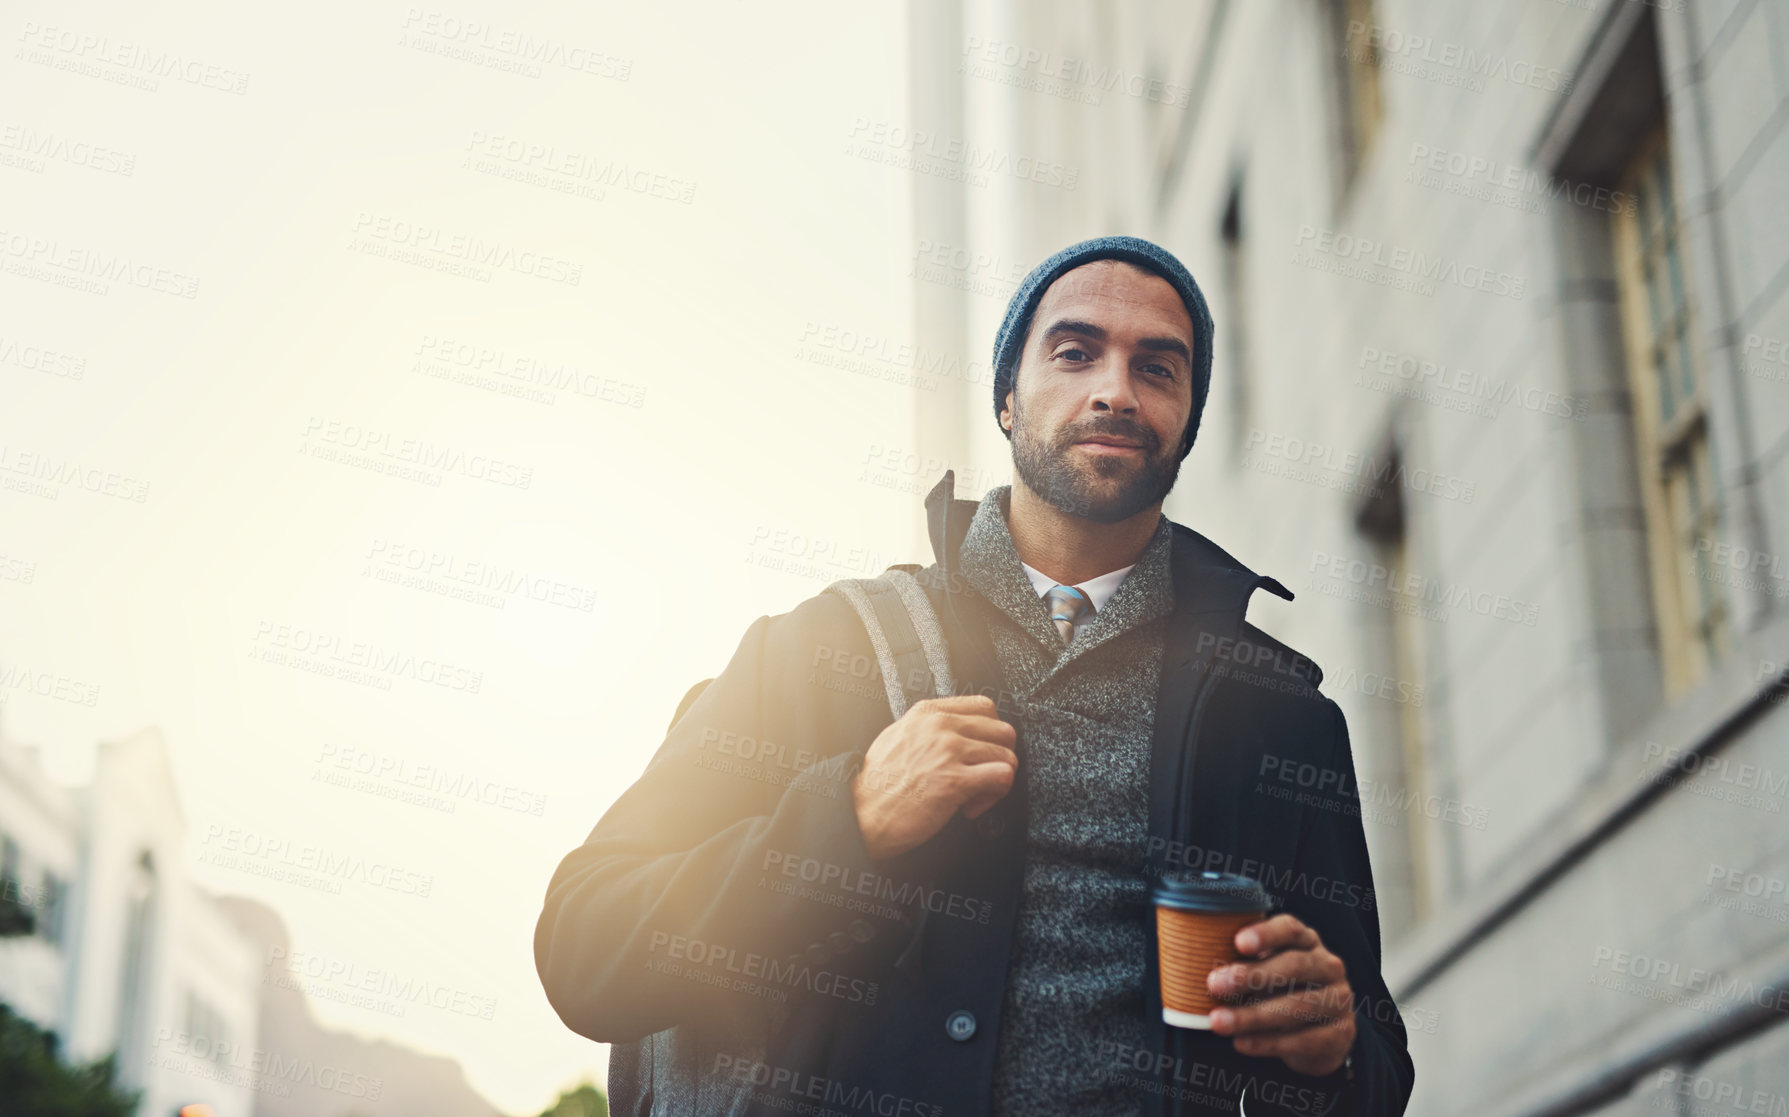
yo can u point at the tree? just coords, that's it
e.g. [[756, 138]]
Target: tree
[[33, 1080], [585, 1101]]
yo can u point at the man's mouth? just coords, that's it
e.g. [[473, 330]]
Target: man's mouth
[[1110, 446]]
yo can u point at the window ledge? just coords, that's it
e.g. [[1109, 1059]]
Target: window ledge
[[1711, 715]]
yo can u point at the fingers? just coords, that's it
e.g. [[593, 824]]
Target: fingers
[[1290, 1012], [971, 752], [972, 715], [1247, 981], [1282, 932], [980, 728], [1293, 1002], [907, 779], [1314, 1051], [993, 778], [958, 704], [987, 784]]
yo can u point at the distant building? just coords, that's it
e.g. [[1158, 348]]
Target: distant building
[[129, 956], [1502, 393]]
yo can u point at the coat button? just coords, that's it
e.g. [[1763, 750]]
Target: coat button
[[862, 931], [818, 954], [838, 942], [960, 1025]]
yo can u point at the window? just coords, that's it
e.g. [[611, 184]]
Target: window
[[1354, 33], [1629, 310], [15, 914], [53, 898], [205, 1030], [1406, 763], [1676, 459], [1407, 667]]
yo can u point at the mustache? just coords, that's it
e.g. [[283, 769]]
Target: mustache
[[1113, 428]]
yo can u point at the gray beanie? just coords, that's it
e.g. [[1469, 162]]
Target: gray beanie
[[1152, 258]]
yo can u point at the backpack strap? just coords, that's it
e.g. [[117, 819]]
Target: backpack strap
[[905, 633]]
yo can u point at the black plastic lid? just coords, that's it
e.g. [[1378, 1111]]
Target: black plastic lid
[[1218, 893]]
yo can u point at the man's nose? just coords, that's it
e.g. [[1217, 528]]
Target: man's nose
[[1111, 386]]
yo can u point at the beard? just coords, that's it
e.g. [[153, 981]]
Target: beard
[[1106, 490]]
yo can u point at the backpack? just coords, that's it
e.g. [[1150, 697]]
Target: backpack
[[910, 651], [905, 632]]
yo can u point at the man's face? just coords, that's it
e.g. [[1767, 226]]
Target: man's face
[[1103, 393]]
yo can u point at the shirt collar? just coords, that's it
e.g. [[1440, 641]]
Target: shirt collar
[[1098, 590], [991, 565]]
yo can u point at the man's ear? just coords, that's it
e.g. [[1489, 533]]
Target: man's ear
[[1006, 412]]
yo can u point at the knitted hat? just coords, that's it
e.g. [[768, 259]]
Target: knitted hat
[[1152, 258]]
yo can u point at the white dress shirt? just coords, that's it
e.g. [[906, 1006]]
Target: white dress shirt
[[1098, 590]]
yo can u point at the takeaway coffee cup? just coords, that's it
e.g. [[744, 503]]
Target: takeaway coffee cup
[[1196, 920]]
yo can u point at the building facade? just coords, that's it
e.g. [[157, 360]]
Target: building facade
[[1501, 391], [197, 994], [127, 955]]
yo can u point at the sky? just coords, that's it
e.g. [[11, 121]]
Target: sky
[[371, 332]]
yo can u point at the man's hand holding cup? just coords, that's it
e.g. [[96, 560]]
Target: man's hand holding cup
[[1289, 997]]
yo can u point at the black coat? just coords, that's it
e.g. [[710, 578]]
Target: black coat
[[726, 901]]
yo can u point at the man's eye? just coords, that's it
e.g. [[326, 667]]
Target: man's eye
[[1074, 354], [1161, 370]]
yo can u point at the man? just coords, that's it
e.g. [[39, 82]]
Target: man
[[808, 905]]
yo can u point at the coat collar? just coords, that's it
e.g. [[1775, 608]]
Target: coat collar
[[1206, 578], [990, 563]]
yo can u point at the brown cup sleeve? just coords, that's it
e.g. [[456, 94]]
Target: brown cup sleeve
[[1191, 945]]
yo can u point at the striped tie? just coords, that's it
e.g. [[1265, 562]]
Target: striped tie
[[1067, 606]]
